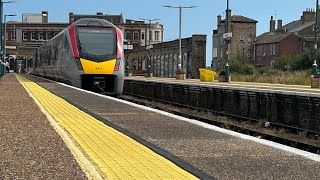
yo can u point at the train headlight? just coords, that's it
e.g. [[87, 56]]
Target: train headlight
[[78, 62], [117, 66]]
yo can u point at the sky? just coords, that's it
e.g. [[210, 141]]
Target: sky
[[199, 20]]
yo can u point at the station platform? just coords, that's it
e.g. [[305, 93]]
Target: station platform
[[54, 131], [234, 84]]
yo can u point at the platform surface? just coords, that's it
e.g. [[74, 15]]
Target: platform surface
[[52, 131]]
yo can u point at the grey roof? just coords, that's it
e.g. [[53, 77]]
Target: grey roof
[[239, 18], [296, 26], [301, 27], [271, 37], [292, 25]]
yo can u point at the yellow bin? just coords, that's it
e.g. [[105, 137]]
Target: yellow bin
[[206, 75], [202, 74], [209, 75]]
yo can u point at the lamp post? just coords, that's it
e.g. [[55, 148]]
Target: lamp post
[[314, 66], [5, 31], [149, 44], [1, 27], [180, 11], [227, 44]]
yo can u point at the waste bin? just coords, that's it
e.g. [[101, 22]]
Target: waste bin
[[207, 75], [202, 74]]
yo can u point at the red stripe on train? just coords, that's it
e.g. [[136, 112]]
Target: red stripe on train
[[119, 43], [72, 34]]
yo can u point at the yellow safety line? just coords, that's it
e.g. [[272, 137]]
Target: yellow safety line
[[116, 155], [87, 167]]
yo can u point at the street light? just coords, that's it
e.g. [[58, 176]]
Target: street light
[[149, 44], [5, 31], [180, 9], [1, 27], [316, 29]]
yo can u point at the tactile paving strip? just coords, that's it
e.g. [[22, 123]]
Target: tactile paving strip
[[116, 155]]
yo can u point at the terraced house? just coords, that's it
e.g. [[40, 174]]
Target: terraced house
[[290, 39]]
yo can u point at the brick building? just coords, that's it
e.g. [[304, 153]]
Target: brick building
[[22, 38], [164, 57], [135, 32], [290, 39], [238, 41]]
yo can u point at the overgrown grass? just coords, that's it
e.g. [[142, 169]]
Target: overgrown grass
[[280, 77]]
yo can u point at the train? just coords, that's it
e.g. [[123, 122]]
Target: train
[[88, 54]]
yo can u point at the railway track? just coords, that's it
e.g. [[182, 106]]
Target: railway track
[[286, 135]]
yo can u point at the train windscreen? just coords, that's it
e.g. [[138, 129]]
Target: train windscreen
[[97, 43]]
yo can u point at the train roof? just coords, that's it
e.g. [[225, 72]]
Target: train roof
[[93, 22]]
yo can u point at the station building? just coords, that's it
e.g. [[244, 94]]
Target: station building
[[238, 41], [23, 38]]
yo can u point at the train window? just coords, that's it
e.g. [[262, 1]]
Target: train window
[[66, 44], [97, 41]]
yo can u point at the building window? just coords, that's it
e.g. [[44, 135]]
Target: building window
[[215, 52], [25, 36], [48, 35], [135, 36], [156, 35], [55, 33], [40, 36], [150, 35], [7, 36], [13, 35], [127, 35], [250, 26], [142, 36], [33, 36], [274, 50]]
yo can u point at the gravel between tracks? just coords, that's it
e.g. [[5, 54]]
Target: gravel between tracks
[[29, 146]]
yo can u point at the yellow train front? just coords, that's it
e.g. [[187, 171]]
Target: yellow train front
[[88, 54]]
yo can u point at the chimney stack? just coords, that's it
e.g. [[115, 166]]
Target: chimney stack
[[272, 24], [279, 24], [308, 15], [44, 16], [218, 20], [71, 17]]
